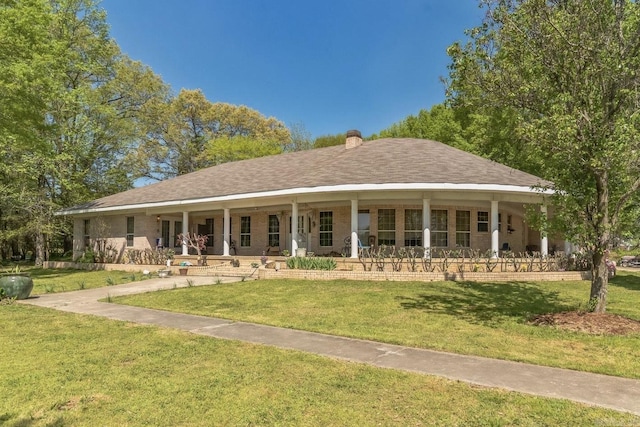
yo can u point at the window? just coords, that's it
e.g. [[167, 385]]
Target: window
[[413, 227], [245, 231], [87, 236], [483, 222], [209, 226], [177, 229], [301, 232], [439, 228], [364, 226], [130, 228], [165, 233], [274, 231], [386, 227], [463, 229], [326, 228]]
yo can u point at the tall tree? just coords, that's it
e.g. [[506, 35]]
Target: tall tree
[[91, 114], [26, 56], [566, 72], [300, 138], [189, 122], [439, 124]]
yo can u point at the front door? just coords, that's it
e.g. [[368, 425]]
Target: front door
[[303, 232]]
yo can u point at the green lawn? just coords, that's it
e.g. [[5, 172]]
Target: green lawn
[[485, 319], [63, 280], [66, 369]]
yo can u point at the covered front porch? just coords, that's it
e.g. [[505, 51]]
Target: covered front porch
[[340, 225]]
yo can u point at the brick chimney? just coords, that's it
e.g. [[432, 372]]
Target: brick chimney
[[354, 139]]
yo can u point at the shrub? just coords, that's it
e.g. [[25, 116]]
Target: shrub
[[311, 263]]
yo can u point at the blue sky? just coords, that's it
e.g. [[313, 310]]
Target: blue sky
[[330, 65]]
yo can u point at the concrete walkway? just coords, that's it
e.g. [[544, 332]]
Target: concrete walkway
[[600, 390]]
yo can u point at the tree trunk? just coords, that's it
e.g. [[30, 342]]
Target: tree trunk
[[40, 249], [599, 281], [599, 270]]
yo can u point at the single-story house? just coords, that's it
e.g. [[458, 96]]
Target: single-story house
[[393, 191]]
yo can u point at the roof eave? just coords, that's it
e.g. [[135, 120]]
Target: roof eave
[[347, 188]]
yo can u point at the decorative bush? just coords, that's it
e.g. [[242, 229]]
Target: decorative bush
[[390, 258], [148, 256], [311, 263]]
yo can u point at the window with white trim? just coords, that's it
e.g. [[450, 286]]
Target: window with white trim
[[326, 228], [386, 227], [413, 227], [130, 230], [245, 231], [439, 228], [463, 229], [483, 221], [274, 231]]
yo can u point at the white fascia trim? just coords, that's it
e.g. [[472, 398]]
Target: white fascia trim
[[489, 188]]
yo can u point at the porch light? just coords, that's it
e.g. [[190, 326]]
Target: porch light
[[510, 230]]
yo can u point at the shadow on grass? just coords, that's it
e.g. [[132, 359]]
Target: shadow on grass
[[488, 303], [627, 280]]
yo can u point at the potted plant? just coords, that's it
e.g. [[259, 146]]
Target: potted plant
[[184, 268], [16, 284]]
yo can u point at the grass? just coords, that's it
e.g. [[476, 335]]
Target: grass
[[64, 280], [484, 319], [66, 369]]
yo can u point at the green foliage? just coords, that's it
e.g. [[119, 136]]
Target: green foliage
[[438, 124], [88, 257], [5, 299], [563, 75], [81, 106], [311, 263], [231, 149], [330, 140], [191, 126]]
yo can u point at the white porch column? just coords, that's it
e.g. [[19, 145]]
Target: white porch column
[[294, 228], [185, 230], [544, 240], [354, 228], [226, 230], [426, 225], [495, 234]]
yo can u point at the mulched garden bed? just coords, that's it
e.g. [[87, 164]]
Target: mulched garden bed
[[590, 323]]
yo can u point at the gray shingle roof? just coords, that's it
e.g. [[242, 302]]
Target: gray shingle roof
[[382, 161]]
